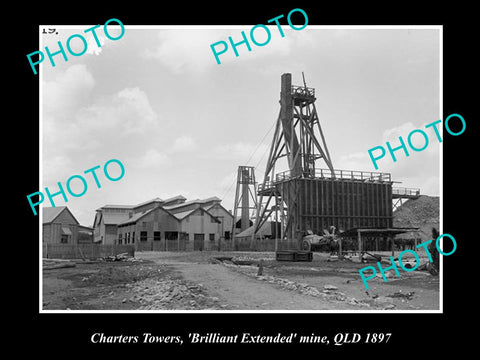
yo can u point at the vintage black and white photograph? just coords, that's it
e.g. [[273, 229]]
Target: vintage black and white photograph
[[273, 168]]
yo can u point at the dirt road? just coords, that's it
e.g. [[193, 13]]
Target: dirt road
[[240, 292], [316, 285], [199, 281]]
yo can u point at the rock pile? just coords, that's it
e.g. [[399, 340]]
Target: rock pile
[[169, 293], [423, 213]]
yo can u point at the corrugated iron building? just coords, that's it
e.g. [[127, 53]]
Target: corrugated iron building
[[108, 217], [149, 229], [171, 224], [60, 227], [106, 222]]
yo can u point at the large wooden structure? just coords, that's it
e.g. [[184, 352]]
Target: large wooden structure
[[306, 198]]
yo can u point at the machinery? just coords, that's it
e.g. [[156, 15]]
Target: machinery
[[328, 242]]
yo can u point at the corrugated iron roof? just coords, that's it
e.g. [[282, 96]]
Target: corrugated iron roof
[[196, 201], [184, 214], [178, 197], [265, 230], [157, 199], [209, 207], [116, 207], [114, 218], [136, 217], [50, 213]]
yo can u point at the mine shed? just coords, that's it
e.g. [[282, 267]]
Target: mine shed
[[372, 239]]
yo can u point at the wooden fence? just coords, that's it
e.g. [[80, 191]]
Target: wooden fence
[[241, 244], [178, 245], [246, 244], [87, 251]]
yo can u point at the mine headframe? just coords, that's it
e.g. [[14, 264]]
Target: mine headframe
[[299, 138]]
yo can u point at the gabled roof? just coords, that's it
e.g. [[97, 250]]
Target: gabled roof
[[219, 205], [111, 218], [174, 198], [114, 218], [157, 199], [136, 217], [265, 230], [83, 228], [213, 198], [51, 213], [185, 214], [196, 201], [115, 207]]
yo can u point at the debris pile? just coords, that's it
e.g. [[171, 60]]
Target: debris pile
[[399, 294], [423, 213], [120, 257], [171, 293]]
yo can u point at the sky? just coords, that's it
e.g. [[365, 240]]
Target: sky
[[156, 100]]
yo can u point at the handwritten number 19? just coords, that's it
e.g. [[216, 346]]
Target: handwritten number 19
[[50, 31]]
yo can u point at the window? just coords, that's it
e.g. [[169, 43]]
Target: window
[[127, 241], [213, 220], [120, 238], [227, 235], [133, 238], [212, 237], [64, 239], [171, 235], [143, 236], [156, 236]]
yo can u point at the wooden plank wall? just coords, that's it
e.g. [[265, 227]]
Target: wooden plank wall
[[342, 203]]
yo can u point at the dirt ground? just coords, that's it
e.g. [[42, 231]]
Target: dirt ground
[[229, 281]]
